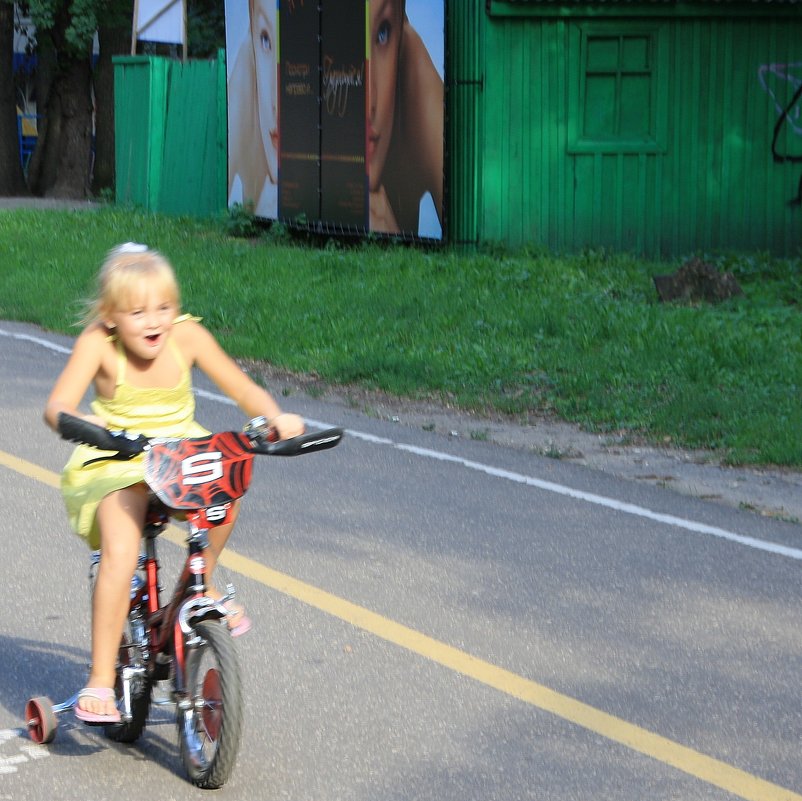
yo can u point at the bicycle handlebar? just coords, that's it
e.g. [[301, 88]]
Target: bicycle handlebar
[[76, 429], [305, 443]]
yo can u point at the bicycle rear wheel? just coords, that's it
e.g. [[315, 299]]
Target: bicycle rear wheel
[[210, 728]]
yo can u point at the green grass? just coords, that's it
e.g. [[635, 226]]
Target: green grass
[[583, 338]]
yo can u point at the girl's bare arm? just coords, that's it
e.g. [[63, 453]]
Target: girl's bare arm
[[78, 374], [252, 399]]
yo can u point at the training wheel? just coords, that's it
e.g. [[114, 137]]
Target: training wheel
[[41, 720]]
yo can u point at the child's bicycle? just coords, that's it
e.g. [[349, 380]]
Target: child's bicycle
[[185, 642]]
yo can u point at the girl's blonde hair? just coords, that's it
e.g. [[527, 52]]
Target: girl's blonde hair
[[122, 275]]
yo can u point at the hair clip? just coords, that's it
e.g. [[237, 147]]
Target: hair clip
[[132, 247]]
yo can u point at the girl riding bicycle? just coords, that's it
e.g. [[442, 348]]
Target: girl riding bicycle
[[138, 350]]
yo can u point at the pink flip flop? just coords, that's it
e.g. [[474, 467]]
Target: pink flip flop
[[93, 718]]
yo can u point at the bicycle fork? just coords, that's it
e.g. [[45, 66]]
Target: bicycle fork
[[196, 608]]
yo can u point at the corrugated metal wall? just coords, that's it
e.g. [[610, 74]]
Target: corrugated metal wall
[[170, 125], [465, 82], [714, 185], [195, 124], [139, 84]]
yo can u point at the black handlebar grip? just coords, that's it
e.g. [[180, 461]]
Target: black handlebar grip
[[305, 443], [76, 429]]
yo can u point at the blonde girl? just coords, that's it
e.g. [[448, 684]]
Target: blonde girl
[[137, 352]]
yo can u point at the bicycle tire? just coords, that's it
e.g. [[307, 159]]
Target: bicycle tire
[[130, 731], [210, 729]]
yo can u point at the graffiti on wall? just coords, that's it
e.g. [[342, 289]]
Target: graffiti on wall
[[778, 81]]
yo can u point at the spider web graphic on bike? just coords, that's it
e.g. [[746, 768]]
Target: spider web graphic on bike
[[201, 472]]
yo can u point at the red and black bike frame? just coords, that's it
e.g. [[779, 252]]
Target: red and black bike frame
[[171, 627]]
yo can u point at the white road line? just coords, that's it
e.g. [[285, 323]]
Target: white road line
[[28, 751], [548, 486], [612, 503], [45, 343], [560, 489]]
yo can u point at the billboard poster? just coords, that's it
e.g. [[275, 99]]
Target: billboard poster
[[251, 59], [343, 184], [405, 120], [299, 104], [336, 112]]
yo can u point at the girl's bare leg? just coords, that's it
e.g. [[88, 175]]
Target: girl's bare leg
[[218, 536], [120, 517]]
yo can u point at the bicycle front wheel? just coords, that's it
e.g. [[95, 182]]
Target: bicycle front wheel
[[210, 725]]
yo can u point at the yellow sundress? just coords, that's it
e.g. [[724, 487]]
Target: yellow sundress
[[154, 412]]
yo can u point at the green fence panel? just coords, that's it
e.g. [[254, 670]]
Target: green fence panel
[[139, 86], [191, 181], [170, 133], [464, 76]]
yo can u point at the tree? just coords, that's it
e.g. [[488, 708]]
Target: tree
[[67, 82], [114, 38], [206, 27], [12, 179], [62, 163]]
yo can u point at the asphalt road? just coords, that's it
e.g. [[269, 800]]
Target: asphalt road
[[435, 619]]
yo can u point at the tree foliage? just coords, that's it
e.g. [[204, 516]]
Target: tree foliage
[[12, 181], [75, 88], [206, 26]]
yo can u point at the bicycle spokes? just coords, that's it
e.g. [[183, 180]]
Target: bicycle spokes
[[212, 700]]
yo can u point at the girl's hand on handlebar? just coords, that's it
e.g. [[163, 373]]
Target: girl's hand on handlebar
[[288, 425]]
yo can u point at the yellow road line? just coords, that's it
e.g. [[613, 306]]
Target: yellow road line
[[713, 771], [29, 469]]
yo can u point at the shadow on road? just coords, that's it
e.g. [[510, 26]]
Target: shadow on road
[[34, 669]]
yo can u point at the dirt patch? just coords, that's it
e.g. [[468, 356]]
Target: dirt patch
[[697, 281], [773, 492]]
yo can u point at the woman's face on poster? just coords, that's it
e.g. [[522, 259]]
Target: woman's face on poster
[[385, 41], [263, 36]]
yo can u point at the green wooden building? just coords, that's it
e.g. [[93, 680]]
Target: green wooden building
[[658, 127]]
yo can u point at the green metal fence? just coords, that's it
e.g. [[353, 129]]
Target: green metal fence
[[465, 81], [170, 134]]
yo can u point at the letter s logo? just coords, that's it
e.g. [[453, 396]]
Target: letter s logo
[[215, 514], [202, 468]]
